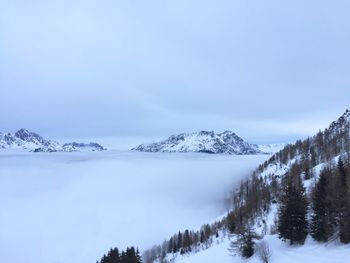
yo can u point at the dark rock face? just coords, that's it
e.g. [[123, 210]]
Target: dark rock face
[[32, 137]]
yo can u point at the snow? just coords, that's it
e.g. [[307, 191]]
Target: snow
[[276, 169], [311, 252], [271, 148], [72, 207], [264, 225], [204, 141], [30, 141]]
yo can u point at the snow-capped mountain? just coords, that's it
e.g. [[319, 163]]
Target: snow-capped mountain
[[24, 139], [75, 146], [204, 141], [31, 141]]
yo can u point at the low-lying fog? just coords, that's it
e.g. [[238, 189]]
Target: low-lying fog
[[72, 207]]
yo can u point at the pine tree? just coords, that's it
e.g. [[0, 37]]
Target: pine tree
[[170, 245], [132, 256], [292, 223], [342, 171], [248, 248], [138, 256], [344, 230], [179, 241], [202, 238], [186, 243], [344, 203], [244, 244], [321, 229], [114, 255], [231, 224]]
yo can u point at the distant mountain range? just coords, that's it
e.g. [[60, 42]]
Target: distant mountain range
[[208, 142], [30, 141]]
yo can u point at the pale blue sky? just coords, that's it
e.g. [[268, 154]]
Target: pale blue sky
[[269, 70]]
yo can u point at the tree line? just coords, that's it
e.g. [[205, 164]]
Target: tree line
[[331, 204], [184, 242], [130, 255]]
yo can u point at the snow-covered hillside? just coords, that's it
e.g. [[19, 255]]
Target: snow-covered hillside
[[310, 252], [257, 201], [204, 141], [31, 141]]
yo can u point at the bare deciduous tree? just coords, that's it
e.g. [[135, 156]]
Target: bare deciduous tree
[[263, 251]]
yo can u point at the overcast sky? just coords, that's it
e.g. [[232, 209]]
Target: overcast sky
[[269, 70]]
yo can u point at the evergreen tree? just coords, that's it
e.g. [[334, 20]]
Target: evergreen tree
[[132, 256], [138, 256], [344, 203], [248, 247], [171, 245], [342, 172], [114, 255], [321, 229], [128, 256], [202, 238], [344, 230], [179, 241], [186, 243], [244, 244], [207, 231], [231, 223], [292, 223]]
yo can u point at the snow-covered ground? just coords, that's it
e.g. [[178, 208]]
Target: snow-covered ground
[[72, 207], [311, 252]]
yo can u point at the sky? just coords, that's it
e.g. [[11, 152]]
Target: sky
[[271, 71]]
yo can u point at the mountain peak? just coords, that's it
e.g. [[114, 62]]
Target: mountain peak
[[22, 133], [205, 133], [203, 141], [28, 136], [27, 140], [342, 122]]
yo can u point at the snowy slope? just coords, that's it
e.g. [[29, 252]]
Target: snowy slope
[[270, 148], [31, 141], [204, 141], [310, 252]]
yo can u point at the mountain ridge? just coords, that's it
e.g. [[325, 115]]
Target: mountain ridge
[[33, 142], [226, 142]]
